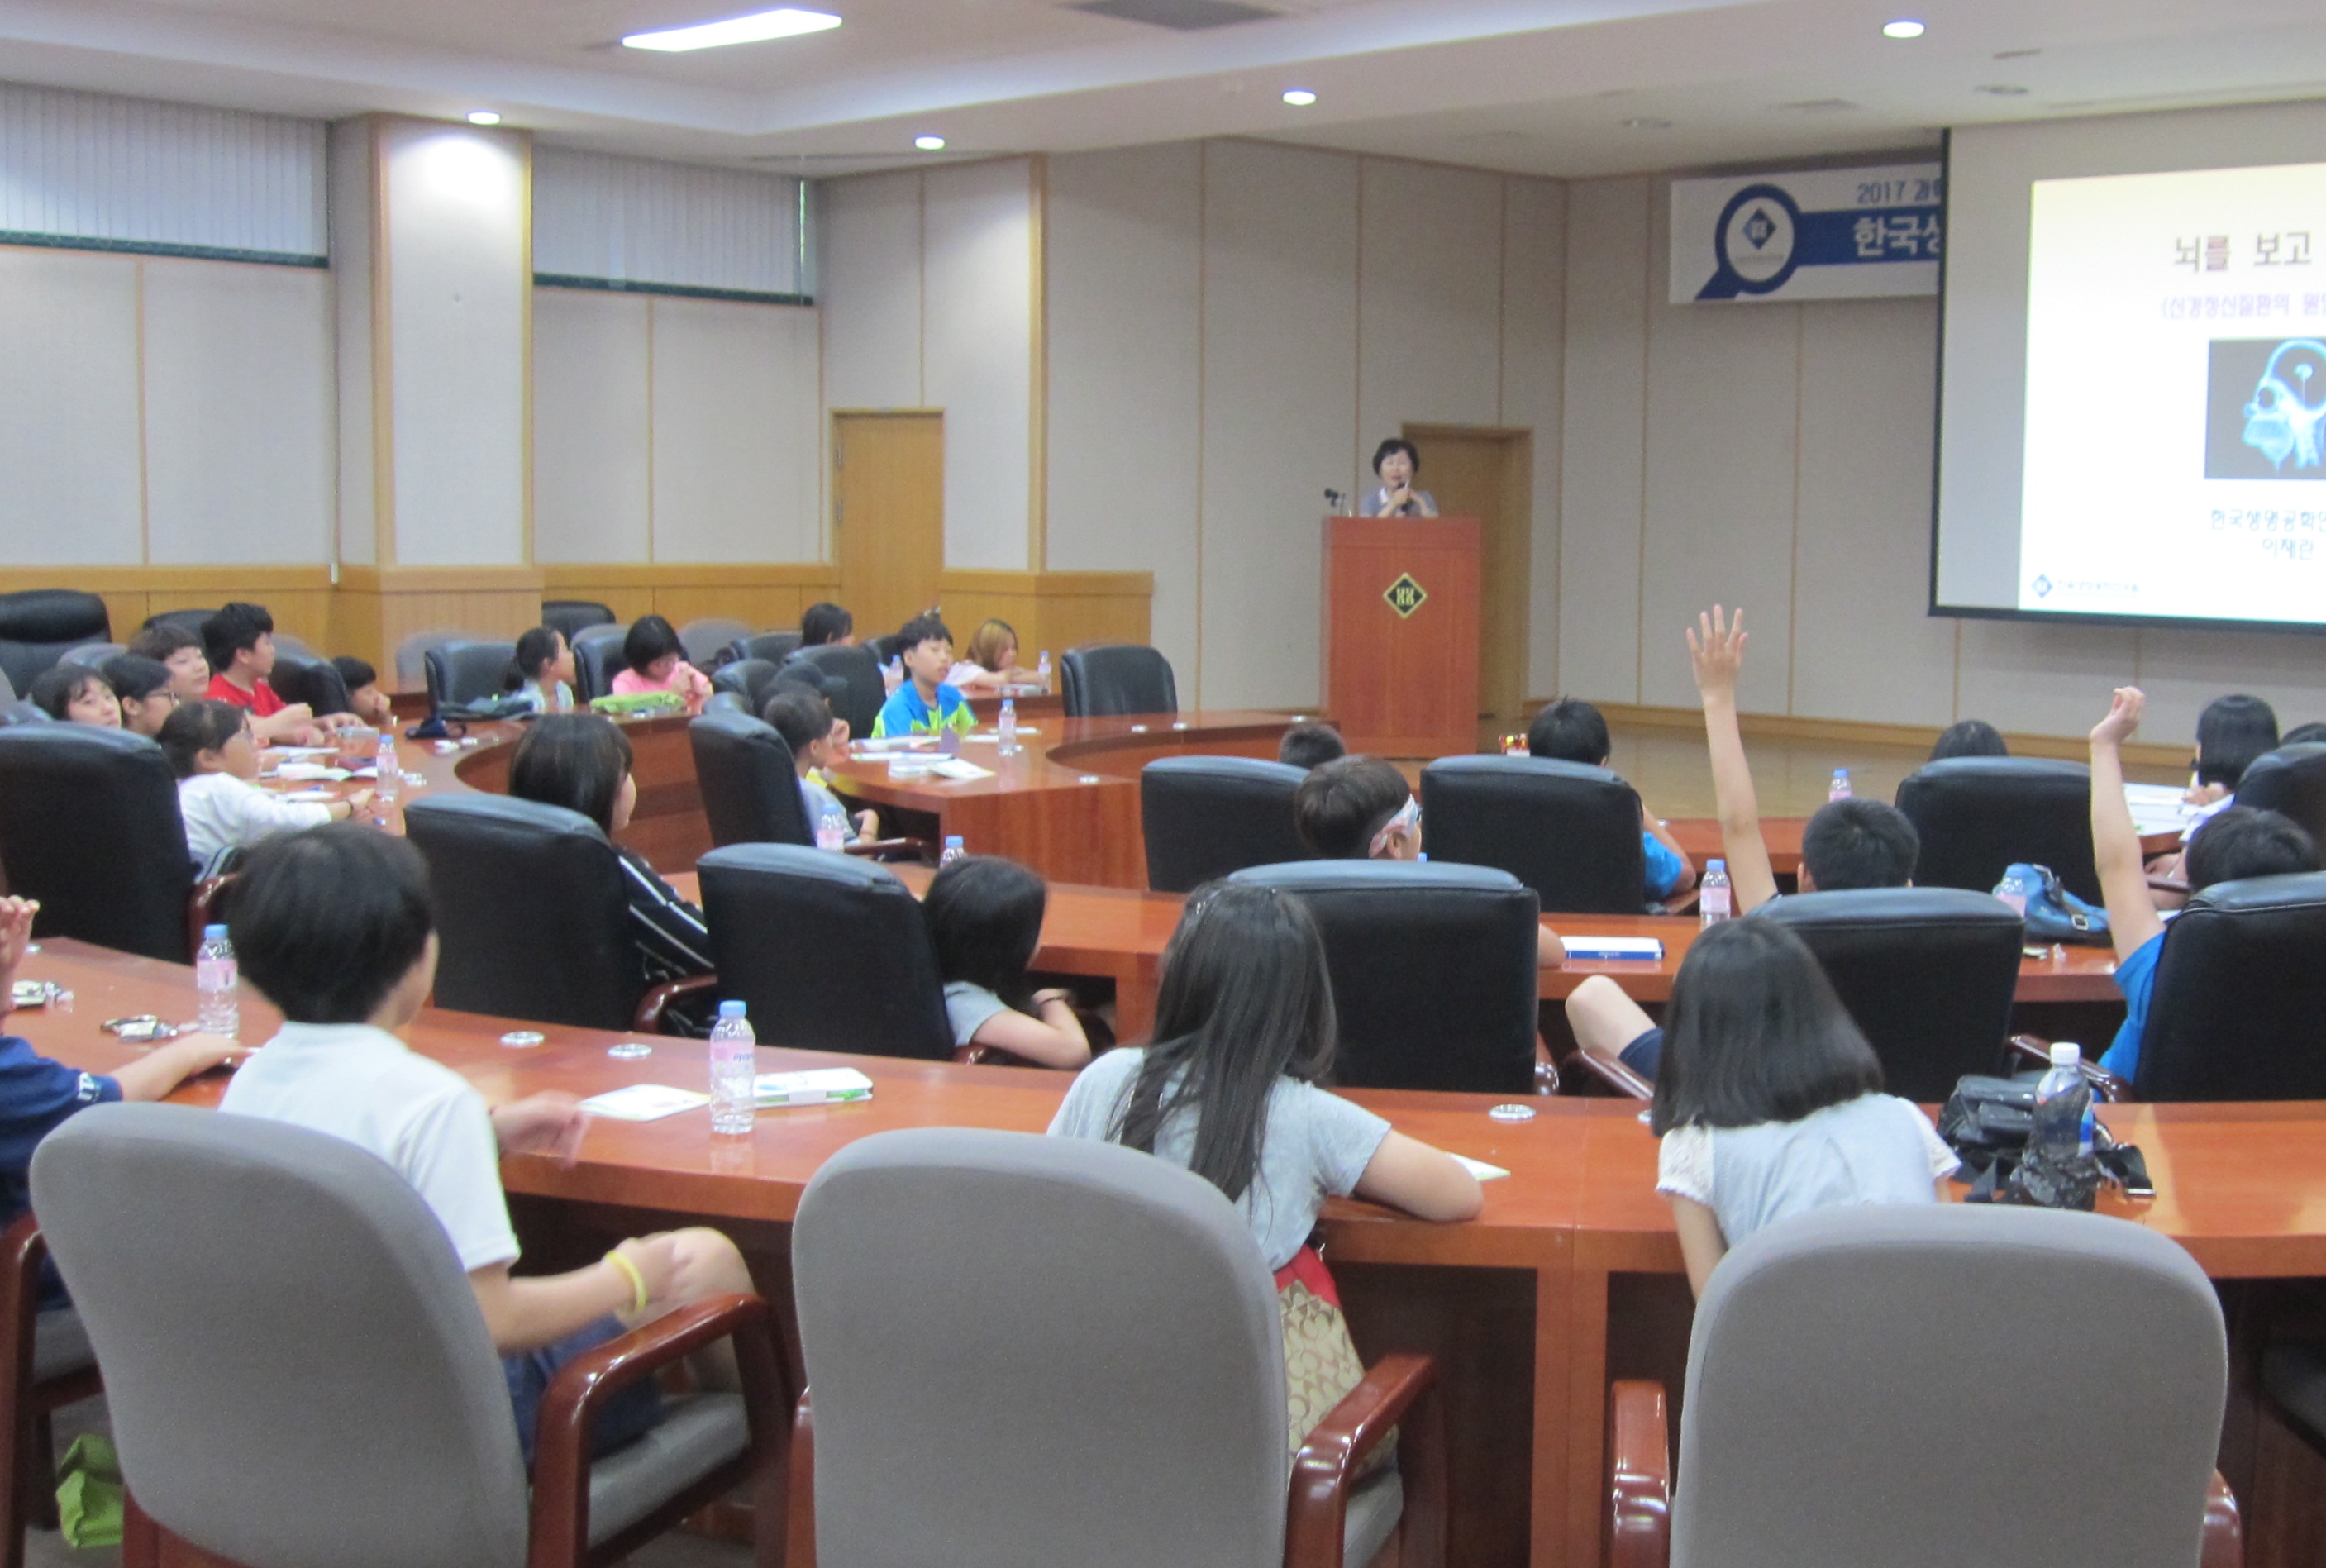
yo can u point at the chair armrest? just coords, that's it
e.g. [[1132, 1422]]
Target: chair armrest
[[2179, 885], [881, 847], [1318, 1505], [1682, 902], [1545, 1075], [976, 1056], [2105, 1085], [1639, 1477], [648, 1019], [799, 1483], [1614, 1074], [199, 904], [570, 1404], [2224, 1542]]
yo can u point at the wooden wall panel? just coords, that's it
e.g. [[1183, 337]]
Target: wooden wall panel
[[767, 597], [378, 606], [1053, 609]]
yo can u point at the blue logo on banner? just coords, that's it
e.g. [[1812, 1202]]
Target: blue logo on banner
[[1764, 237]]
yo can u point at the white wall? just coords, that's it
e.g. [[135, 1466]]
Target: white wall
[[1233, 326], [673, 430], [161, 410], [1779, 456]]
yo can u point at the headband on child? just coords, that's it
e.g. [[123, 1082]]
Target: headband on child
[[1408, 815]]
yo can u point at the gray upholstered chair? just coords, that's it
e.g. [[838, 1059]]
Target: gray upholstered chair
[[320, 1387], [92, 655], [707, 642], [1919, 1385], [1090, 1338], [411, 658]]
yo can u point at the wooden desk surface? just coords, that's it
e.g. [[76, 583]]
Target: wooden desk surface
[[2242, 1187]]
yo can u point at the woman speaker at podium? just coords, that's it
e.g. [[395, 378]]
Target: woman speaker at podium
[[1396, 462]]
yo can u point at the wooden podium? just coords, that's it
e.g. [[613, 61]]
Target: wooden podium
[[1401, 634]]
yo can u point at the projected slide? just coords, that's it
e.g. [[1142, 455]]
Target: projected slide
[[2175, 450]]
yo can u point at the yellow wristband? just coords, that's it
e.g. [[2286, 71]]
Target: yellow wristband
[[637, 1281]]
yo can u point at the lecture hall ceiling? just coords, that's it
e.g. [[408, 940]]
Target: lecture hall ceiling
[[1569, 87]]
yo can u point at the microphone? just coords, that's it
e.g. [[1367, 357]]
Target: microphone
[[1335, 499]]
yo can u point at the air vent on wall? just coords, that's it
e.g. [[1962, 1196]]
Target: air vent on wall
[[1178, 15]]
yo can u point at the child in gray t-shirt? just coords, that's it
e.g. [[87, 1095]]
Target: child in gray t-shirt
[[1244, 1030], [1770, 1101]]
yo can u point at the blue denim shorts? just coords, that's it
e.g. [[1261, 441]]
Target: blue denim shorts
[[630, 1414]]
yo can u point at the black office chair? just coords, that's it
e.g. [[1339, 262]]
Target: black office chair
[[774, 647], [89, 826], [706, 642], [572, 616], [38, 626], [1570, 832], [92, 655], [750, 787], [747, 678], [1207, 816], [461, 673], [727, 702], [861, 692], [2240, 990], [884, 646], [190, 620], [1927, 972], [598, 659], [829, 953], [1434, 971], [1978, 815], [1105, 679], [2293, 780], [533, 915], [317, 683]]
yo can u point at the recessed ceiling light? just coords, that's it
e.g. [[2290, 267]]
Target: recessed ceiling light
[[786, 23], [484, 117], [1646, 122], [1904, 27], [2002, 89], [1300, 98], [929, 144]]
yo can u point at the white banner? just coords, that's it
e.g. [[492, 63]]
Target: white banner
[[1828, 234]]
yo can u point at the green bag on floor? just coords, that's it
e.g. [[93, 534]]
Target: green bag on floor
[[89, 1493]]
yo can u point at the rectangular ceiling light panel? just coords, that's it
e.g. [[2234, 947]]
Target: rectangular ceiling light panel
[[758, 27], [1178, 15]]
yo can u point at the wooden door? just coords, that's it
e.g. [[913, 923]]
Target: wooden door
[[1488, 474], [887, 515]]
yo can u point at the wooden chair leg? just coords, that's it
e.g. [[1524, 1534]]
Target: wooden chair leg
[[39, 1474]]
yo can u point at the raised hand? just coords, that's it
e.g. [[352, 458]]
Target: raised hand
[[2122, 717], [15, 935], [1715, 651]]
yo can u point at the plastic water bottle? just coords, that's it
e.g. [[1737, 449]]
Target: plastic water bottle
[[1008, 726], [216, 977], [1042, 669], [390, 782], [2014, 890], [953, 850], [2063, 1110], [1840, 790], [1712, 893], [734, 1067], [832, 828]]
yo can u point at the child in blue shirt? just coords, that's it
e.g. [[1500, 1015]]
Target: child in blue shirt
[[1572, 730], [923, 704], [2239, 841], [36, 1094]]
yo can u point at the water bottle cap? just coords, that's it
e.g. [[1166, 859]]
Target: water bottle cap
[[730, 1009], [2067, 1055], [1841, 773], [952, 841], [1715, 864], [213, 932]]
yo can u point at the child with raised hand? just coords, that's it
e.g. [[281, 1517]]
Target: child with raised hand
[[1232, 1089], [37, 1094], [657, 662], [2236, 841], [337, 929], [985, 921], [1770, 1101], [76, 694], [804, 720], [211, 750], [922, 704]]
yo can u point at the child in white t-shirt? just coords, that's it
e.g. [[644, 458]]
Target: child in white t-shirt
[[1769, 1100], [334, 927], [213, 753]]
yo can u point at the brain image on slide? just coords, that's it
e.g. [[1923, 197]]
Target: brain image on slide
[[2283, 414]]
